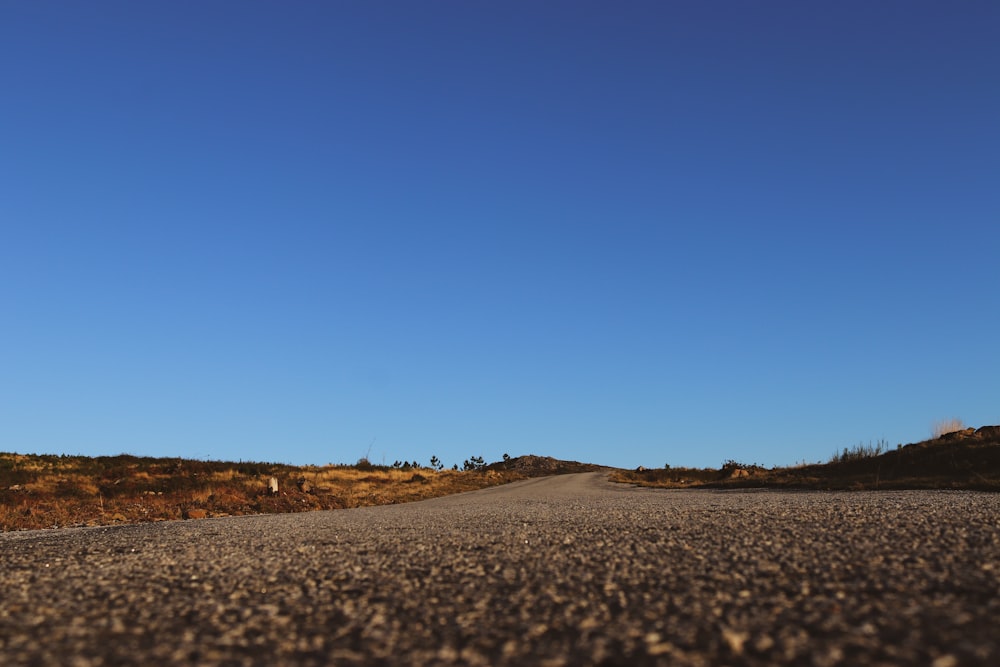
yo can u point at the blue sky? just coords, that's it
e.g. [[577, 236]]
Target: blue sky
[[626, 233]]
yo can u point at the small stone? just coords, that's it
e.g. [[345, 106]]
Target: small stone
[[764, 643], [447, 654], [734, 640], [659, 648], [946, 660]]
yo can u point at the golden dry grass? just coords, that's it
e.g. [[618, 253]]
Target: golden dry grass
[[52, 491], [945, 426]]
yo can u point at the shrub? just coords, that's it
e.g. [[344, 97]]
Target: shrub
[[474, 463], [730, 465]]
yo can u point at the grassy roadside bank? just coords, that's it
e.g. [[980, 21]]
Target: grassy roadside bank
[[966, 459], [47, 491]]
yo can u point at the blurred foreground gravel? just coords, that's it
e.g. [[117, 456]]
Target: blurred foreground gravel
[[569, 570]]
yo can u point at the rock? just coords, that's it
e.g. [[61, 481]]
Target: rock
[[735, 640], [989, 432], [739, 472], [17, 488], [272, 486], [641, 469], [196, 513]]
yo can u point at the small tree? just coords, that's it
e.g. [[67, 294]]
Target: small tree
[[436, 463], [474, 463]]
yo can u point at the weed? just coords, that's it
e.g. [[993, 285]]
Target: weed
[[860, 452]]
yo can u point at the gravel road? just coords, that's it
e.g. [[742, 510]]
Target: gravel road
[[569, 570]]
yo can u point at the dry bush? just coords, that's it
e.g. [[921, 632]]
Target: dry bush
[[945, 426]]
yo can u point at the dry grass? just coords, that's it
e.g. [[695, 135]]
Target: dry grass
[[40, 491], [945, 426], [963, 459], [44, 491]]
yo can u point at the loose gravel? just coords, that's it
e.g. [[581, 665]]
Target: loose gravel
[[569, 570]]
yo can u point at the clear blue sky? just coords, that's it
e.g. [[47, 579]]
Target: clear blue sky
[[626, 233]]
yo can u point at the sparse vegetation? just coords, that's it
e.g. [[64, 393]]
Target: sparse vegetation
[[860, 452], [945, 426], [42, 491], [963, 459], [473, 464]]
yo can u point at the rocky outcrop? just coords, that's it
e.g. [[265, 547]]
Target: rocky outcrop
[[537, 466], [985, 433], [958, 435], [989, 433]]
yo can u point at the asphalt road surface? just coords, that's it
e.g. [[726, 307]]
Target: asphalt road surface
[[570, 570]]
